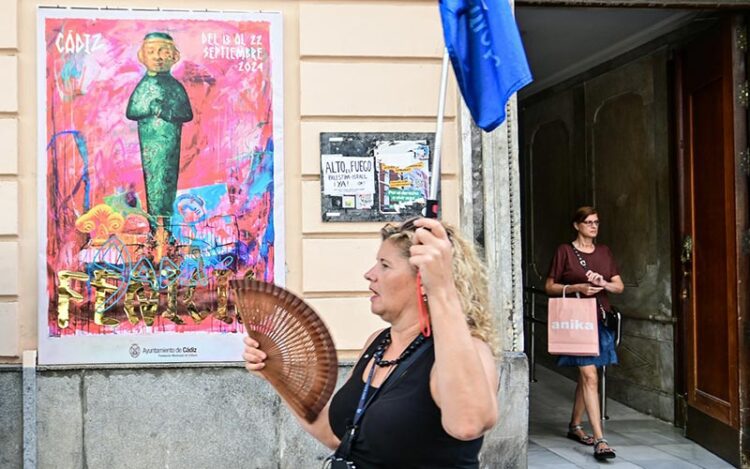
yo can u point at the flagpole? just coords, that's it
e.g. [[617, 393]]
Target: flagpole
[[432, 203], [431, 208]]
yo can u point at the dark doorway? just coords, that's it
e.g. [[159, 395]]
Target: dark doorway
[[648, 130]]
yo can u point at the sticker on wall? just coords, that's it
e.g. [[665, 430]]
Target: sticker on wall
[[374, 176], [403, 175], [347, 175], [160, 180]]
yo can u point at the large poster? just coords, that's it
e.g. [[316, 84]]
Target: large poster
[[160, 180]]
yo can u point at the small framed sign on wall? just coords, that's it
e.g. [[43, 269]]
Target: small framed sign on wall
[[374, 176]]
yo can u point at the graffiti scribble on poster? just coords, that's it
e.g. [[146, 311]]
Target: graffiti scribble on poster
[[374, 176], [161, 161]]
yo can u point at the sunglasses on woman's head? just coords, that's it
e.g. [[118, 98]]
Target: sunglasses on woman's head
[[410, 226]]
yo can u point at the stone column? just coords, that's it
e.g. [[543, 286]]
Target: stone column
[[490, 213], [502, 227]]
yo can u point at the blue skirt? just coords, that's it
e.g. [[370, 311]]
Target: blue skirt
[[607, 354]]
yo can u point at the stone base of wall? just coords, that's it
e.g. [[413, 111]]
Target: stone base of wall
[[212, 417], [11, 417], [505, 446]]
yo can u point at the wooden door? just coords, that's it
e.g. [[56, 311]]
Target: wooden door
[[708, 294]]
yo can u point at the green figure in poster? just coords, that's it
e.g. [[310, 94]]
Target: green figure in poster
[[160, 104]]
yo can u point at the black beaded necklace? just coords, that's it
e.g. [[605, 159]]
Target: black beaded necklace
[[386, 341]]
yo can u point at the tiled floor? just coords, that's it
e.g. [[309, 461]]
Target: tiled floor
[[640, 441]]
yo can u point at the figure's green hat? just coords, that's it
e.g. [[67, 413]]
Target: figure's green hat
[[159, 36]]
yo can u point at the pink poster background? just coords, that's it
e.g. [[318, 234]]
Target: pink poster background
[[93, 167]]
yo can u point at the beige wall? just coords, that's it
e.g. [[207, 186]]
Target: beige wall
[[12, 325], [348, 66]]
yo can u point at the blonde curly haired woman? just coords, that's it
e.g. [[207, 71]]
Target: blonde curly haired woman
[[434, 415]]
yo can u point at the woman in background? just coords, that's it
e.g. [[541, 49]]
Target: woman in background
[[597, 279]]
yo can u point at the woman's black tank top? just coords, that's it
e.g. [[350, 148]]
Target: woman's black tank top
[[401, 428]]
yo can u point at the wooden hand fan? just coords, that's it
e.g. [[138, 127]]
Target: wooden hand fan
[[302, 365]]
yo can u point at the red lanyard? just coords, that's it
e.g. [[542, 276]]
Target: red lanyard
[[424, 313]]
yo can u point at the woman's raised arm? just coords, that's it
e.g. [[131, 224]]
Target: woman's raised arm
[[464, 378]]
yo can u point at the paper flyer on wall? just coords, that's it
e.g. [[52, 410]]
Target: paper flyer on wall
[[403, 174]]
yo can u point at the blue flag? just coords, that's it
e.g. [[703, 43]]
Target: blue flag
[[487, 55]]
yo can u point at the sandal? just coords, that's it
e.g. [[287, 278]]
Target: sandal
[[602, 451], [575, 432]]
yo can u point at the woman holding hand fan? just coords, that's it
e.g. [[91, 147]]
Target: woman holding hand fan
[[434, 415]]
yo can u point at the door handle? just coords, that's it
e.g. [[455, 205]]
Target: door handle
[[686, 260]]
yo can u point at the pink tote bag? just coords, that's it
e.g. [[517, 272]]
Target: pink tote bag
[[572, 326]]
